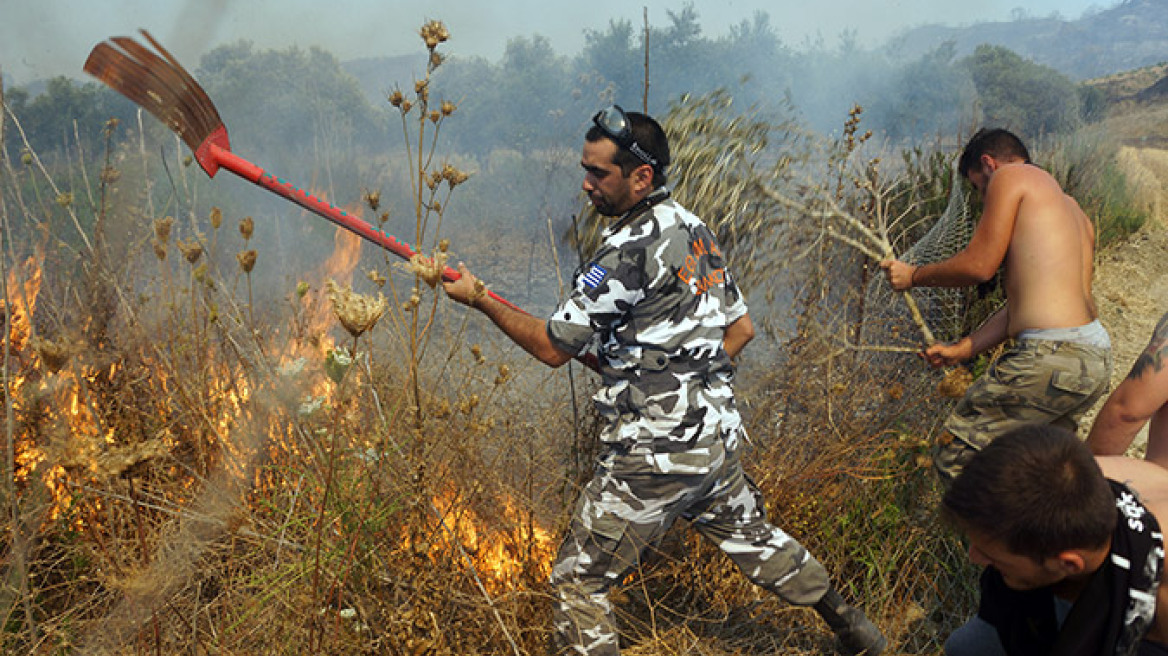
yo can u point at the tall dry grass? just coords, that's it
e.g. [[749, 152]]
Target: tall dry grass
[[199, 465]]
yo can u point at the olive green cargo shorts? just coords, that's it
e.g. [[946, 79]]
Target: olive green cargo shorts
[[1035, 382]]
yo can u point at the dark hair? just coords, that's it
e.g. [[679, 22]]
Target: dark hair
[[649, 134], [995, 142], [1038, 490]]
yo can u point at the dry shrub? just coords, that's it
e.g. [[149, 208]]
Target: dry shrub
[[197, 476]]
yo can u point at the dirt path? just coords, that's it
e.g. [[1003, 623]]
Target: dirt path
[[1131, 278]]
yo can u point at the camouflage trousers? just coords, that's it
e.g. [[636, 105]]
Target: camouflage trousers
[[1035, 382], [628, 507]]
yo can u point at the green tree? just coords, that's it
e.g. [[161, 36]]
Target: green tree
[[533, 91], [472, 83], [930, 95], [48, 118], [612, 61], [1021, 95], [293, 109]]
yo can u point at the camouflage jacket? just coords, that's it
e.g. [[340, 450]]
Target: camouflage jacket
[[656, 300]]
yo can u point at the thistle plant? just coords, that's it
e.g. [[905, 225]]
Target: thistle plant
[[432, 184], [246, 258]]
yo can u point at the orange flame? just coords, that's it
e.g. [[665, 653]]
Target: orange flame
[[500, 555], [21, 299]]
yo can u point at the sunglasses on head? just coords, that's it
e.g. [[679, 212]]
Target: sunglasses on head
[[614, 123]]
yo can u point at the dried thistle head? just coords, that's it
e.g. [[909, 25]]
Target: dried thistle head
[[448, 108], [443, 245], [247, 260], [373, 199], [435, 116], [956, 381], [453, 176], [433, 33], [480, 290], [246, 227], [65, 198], [159, 249], [405, 107], [504, 374], [477, 352], [396, 98], [436, 59], [357, 312], [162, 228], [191, 250], [468, 404], [216, 217], [429, 269], [376, 277]]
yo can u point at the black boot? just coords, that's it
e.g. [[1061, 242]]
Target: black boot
[[855, 634]]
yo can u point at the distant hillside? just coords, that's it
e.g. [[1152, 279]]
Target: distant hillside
[[1141, 84], [1129, 35]]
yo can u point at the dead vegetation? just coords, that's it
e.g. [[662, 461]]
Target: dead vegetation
[[197, 469]]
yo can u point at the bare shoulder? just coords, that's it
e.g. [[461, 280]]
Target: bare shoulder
[[1022, 173], [1148, 479]]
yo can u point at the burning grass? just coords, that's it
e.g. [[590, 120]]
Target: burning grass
[[200, 469], [199, 476]]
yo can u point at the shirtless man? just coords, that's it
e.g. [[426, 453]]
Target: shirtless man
[[1140, 398], [1071, 545], [1061, 361]]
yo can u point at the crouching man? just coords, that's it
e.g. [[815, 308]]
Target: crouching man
[[1072, 551]]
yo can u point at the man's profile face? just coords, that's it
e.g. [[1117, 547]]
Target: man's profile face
[[1019, 572], [609, 190], [979, 177]]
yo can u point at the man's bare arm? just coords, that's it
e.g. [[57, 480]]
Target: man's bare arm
[[737, 335], [986, 251], [525, 330], [1138, 398], [991, 333]]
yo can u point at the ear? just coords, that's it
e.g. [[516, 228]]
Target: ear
[[988, 163], [1070, 563], [642, 179]]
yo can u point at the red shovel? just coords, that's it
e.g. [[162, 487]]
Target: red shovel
[[156, 82]]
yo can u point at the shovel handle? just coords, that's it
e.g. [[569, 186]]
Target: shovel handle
[[214, 156], [258, 176]]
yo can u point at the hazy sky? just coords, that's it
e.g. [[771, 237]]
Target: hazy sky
[[42, 38]]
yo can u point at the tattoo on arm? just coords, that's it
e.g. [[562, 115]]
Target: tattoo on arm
[[1155, 354]]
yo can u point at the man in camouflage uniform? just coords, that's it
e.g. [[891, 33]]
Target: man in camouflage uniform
[[666, 318]]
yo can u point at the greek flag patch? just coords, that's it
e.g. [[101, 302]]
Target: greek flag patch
[[595, 276]]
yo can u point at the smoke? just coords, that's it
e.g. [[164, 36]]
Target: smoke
[[197, 23], [47, 38]]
